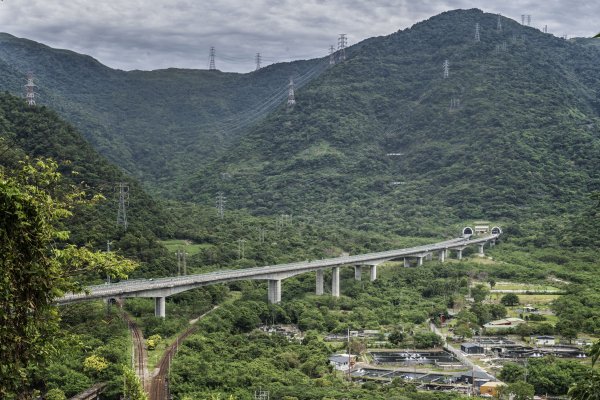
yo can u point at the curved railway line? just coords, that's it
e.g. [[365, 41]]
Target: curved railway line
[[159, 389], [139, 349]]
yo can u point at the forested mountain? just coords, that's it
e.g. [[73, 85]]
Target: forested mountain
[[156, 125], [385, 139], [38, 132]]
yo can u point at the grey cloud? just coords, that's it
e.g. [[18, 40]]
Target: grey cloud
[[144, 34]]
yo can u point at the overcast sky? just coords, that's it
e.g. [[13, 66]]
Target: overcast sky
[[151, 34]]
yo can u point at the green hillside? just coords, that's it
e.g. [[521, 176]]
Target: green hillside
[[374, 142], [156, 125], [39, 132]]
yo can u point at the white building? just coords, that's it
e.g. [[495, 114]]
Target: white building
[[342, 362]]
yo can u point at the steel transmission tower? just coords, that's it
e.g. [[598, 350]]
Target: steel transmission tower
[[291, 100], [257, 59], [123, 203], [446, 66], [528, 20], [522, 19], [30, 90], [499, 24], [477, 36], [331, 55], [211, 63], [221, 204], [342, 42], [261, 395]]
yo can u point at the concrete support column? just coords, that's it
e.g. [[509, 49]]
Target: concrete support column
[[406, 262], [442, 255], [373, 272], [492, 242], [429, 256], [420, 260], [335, 282], [159, 307], [319, 290], [481, 249], [447, 251], [358, 272], [459, 254], [274, 293]]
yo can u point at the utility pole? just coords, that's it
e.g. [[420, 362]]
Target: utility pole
[[211, 63], [123, 203], [291, 100], [30, 90], [342, 43], [241, 248], [331, 55], [108, 243], [499, 24], [446, 69], [178, 253], [477, 36], [454, 103], [261, 235], [261, 394], [257, 59], [221, 200], [183, 256]]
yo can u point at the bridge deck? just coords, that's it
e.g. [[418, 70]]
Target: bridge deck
[[130, 288]]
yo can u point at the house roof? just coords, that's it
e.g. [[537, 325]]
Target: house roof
[[470, 345], [493, 384], [545, 337], [341, 358], [474, 374]]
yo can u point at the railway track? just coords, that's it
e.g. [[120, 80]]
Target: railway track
[[158, 387], [139, 349]]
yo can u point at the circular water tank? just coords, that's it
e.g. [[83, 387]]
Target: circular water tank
[[467, 231], [496, 230]]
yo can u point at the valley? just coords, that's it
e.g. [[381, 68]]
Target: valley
[[267, 242]]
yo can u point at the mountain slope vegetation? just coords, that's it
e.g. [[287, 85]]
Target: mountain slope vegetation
[[385, 140], [156, 125]]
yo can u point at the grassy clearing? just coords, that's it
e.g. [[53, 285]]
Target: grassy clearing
[[189, 247], [525, 286]]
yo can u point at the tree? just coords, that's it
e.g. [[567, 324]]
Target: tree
[[132, 386], [595, 352], [55, 394], [510, 299], [38, 266], [95, 364], [517, 391], [396, 337], [479, 293], [512, 372], [492, 282]]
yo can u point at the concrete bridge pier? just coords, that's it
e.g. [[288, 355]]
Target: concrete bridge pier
[[358, 272], [420, 260], [429, 256], [159, 307], [442, 255], [406, 262], [481, 254], [319, 290], [274, 291], [373, 272], [335, 282]]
